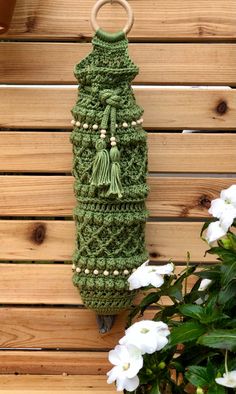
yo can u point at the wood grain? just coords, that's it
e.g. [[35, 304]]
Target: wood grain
[[154, 20], [165, 240], [170, 109], [53, 363], [31, 195], [29, 151], [57, 328], [196, 64], [47, 384], [46, 284]]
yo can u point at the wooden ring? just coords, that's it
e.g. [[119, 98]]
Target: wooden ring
[[123, 3]]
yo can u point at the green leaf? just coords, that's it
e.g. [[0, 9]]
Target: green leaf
[[228, 272], [186, 332], [216, 389], [219, 339], [198, 376], [155, 389], [227, 293], [224, 255], [194, 311], [150, 299], [175, 291]]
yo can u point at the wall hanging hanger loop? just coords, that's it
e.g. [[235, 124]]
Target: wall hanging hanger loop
[[100, 3]]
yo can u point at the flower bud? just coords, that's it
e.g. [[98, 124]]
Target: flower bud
[[199, 391], [162, 365]]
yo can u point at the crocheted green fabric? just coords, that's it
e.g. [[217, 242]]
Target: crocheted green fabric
[[110, 166]]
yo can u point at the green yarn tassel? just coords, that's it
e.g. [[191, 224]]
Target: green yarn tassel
[[115, 188], [101, 166]]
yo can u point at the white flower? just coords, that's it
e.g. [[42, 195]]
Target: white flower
[[223, 208], [147, 275], [205, 283], [147, 335], [127, 361], [215, 231], [228, 380]]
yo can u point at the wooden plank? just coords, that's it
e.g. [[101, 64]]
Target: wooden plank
[[167, 20], [54, 240], [33, 328], [53, 195], [53, 363], [50, 151], [35, 151], [196, 64], [46, 284], [173, 108], [47, 384]]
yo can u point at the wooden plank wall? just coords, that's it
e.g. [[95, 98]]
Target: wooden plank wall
[[177, 43]]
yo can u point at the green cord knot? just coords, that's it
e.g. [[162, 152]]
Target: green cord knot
[[110, 97]]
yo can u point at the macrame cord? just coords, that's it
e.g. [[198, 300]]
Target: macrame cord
[[109, 167]]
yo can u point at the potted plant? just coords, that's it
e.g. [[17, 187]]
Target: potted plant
[[190, 345]]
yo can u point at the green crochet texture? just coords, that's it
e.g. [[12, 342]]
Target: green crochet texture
[[110, 167]]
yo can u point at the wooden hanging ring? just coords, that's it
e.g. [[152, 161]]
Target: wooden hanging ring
[[123, 3]]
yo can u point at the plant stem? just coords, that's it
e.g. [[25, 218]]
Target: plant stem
[[186, 280], [226, 362]]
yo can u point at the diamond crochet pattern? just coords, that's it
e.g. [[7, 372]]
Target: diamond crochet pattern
[[110, 168]]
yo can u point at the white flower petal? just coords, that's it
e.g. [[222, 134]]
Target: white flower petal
[[228, 380], [112, 374], [229, 194], [227, 219], [205, 283], [146, 335], [127, 384], [129, 362], [156, 280], [217, 207], [166, 269], [214, 232], [113, 357], [147, 275]]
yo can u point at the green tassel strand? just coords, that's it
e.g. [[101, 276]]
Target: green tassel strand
[[101, 166], [115, 188]]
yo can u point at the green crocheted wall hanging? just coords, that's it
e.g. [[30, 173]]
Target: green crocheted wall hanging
[[109, 167]]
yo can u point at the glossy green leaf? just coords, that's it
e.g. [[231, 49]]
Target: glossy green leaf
[[189, 331], [219, 339]]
